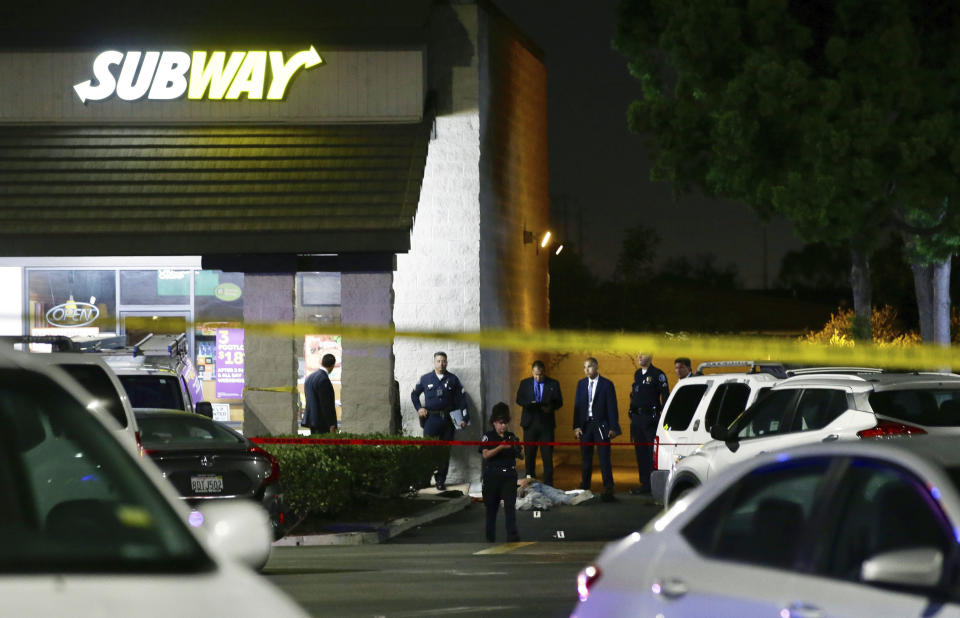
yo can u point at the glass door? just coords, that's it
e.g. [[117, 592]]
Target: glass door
[[164, 324]]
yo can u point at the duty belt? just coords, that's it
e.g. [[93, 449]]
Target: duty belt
[[436, 412]]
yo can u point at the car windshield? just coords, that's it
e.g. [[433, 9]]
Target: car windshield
[[98, 384], [157, 430], [938, 407], [153, 391], [73, 499]]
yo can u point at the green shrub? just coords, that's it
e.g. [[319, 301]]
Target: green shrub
[[325, 478], [314, 479]]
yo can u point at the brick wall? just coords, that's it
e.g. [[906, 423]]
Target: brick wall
[[513, 197]]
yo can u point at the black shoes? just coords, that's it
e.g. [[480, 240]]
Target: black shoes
[[513, 538], [441, 487], [607, 496], [640, 491]]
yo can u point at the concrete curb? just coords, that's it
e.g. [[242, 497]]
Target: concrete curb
[[381, 534]]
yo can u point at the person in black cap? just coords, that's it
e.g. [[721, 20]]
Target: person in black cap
[[500, 449]]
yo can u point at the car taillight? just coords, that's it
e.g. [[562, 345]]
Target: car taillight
[[585, 580], [889, 428], [656, 452], [274, 464]]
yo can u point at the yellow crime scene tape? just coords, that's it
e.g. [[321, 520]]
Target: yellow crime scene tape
[[757, 348]]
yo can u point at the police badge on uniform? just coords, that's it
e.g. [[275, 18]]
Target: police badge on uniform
[[649, 380]]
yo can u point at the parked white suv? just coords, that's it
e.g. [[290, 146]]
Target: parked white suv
[[699, 402], [820, 406]]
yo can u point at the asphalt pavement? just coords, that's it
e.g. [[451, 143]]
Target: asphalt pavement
[[443, 565]]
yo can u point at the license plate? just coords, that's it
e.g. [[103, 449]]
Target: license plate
[[207, 484]]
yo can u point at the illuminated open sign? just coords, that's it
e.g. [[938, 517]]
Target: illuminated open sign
[[71, 314], [168, 75]]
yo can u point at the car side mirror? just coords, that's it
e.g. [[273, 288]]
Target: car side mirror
[[719, 432], [236, 529], [922, 566], [205, 408]]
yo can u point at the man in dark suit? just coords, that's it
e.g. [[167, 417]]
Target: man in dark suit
[[321, 412], [540, 398], [595, 420]]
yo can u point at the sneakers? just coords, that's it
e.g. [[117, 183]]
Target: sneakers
[[583, 496]]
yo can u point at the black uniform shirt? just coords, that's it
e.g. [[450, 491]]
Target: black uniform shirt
[[440, 393], [506, 459], [650, 391]]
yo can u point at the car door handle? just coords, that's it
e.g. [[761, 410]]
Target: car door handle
[[831, 438], [670, 588], [800, 609]]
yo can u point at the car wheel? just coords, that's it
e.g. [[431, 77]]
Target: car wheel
[[681, 492]]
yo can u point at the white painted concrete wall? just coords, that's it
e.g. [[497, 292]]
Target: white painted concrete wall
[[437, 284]]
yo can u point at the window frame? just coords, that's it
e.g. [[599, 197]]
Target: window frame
[[720, 398], [720, 508], [785, 420], [836, 513], [672, 407]]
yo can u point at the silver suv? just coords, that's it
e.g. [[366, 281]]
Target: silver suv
[[823, 405]]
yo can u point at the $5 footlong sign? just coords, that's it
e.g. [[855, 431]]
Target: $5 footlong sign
[[168, 75]]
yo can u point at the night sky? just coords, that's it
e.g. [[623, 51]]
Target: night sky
[[598, 166]]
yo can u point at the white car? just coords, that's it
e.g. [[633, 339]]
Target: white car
[[91, 372], [825, 407], [95, 376], [845, 529], [699, 402], [89, 529]]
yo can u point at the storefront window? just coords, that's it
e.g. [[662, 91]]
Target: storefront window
[[218, 303], [71, 302], [318, 308], [155, 287]]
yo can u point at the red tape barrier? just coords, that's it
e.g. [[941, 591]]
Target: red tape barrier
[[451, 442]]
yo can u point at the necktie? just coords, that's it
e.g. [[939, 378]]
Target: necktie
[[538, 387], [590, 385]]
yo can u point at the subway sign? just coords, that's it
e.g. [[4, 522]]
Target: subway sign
[[215, 75]]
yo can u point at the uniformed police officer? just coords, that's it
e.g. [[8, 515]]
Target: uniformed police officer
[[500, 449], [647, 398], [442, 393]]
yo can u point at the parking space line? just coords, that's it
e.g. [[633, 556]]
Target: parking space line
[[503, 548]]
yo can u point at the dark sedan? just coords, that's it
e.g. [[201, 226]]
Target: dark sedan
[[206, 460]]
